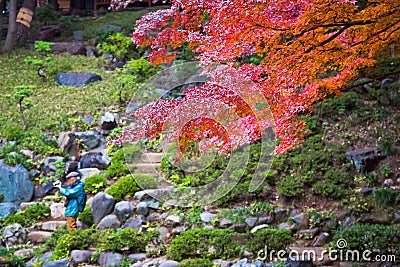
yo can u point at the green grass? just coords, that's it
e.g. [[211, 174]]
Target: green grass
[[54, 107]]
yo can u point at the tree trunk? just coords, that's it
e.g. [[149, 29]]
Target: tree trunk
[[2, 7], [22, 30], [12, 27]]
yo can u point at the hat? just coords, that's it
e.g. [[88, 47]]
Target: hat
[[73, 175]]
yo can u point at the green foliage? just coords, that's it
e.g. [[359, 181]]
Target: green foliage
[[273, 239], [117, 45], [196, 243], [338, 105], [45, 15], [333, 181], [385, 169], [379, 239], [119, 160], [76, 239], [70, 24], [198, 262], [27, 217], [142, 68], [318, 218], [289, 186], [95, 183], [127, 186], [384, 196], [55, 236], [387, 147], [42, 46], [125, 240], [86, 216], [8, 259]]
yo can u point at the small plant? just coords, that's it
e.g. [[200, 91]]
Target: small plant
[[289, 186], [27, 217], [385, 170], [86, 216], [95, 183], [198, 262], [77, 239], [383, 196], [387, 148], [117, 45], [22, 97]]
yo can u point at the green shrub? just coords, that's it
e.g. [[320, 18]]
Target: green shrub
[[379, 239], [125, 240], [127, 186], [76, 239], [289, 186], [55, 235], [95, 183], [199, 262], [196, 243], [86, 216], [273, 239], [116, 44], [384, 196], [27, 217], [46, 15], [128, 154]]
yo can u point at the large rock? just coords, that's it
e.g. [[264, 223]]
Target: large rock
[[73, 48], [134, 223], [49, 165], [79, 256], [6, 209], [123, 210], [15, 184], [108, 121], [109, 221], [91, 140], [52, 225], [57, 210], [365, 160], [47, 33], [110, 259], [97, 160], [59, 263], [76, 79], [14, 234], [68, 143], [102, 205]]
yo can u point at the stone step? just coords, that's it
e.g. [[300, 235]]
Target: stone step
[[149, 168], [52, 225], [151, 157], [38, 237]]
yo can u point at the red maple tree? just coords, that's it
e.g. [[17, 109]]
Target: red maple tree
[[306, 51]]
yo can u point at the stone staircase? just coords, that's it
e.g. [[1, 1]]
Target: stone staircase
[[149, 163]]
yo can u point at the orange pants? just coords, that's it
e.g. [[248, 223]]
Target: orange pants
[[71, 223]]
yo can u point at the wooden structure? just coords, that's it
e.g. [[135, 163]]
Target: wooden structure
[[68, 5]]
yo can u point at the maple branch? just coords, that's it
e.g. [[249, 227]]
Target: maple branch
[[377, 33]]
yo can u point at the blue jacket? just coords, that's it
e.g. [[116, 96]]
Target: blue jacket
[[75, 195]]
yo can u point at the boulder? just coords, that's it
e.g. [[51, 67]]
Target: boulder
[[14, 234], [102, 205], [24, 253], [110, 259], [97, 160], [68, 143], [109, 221], [47, 33], [15, 184], [49, 166], [207, 217], [108, 121], [142, 208], [59, 263], [52, 225], [134, 223], [173, 220], [79, 256], [251, 221], [87, 172], [76, 79], [73, 48], [6, 209], [365, 160], [123, 210], [91, 140]]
